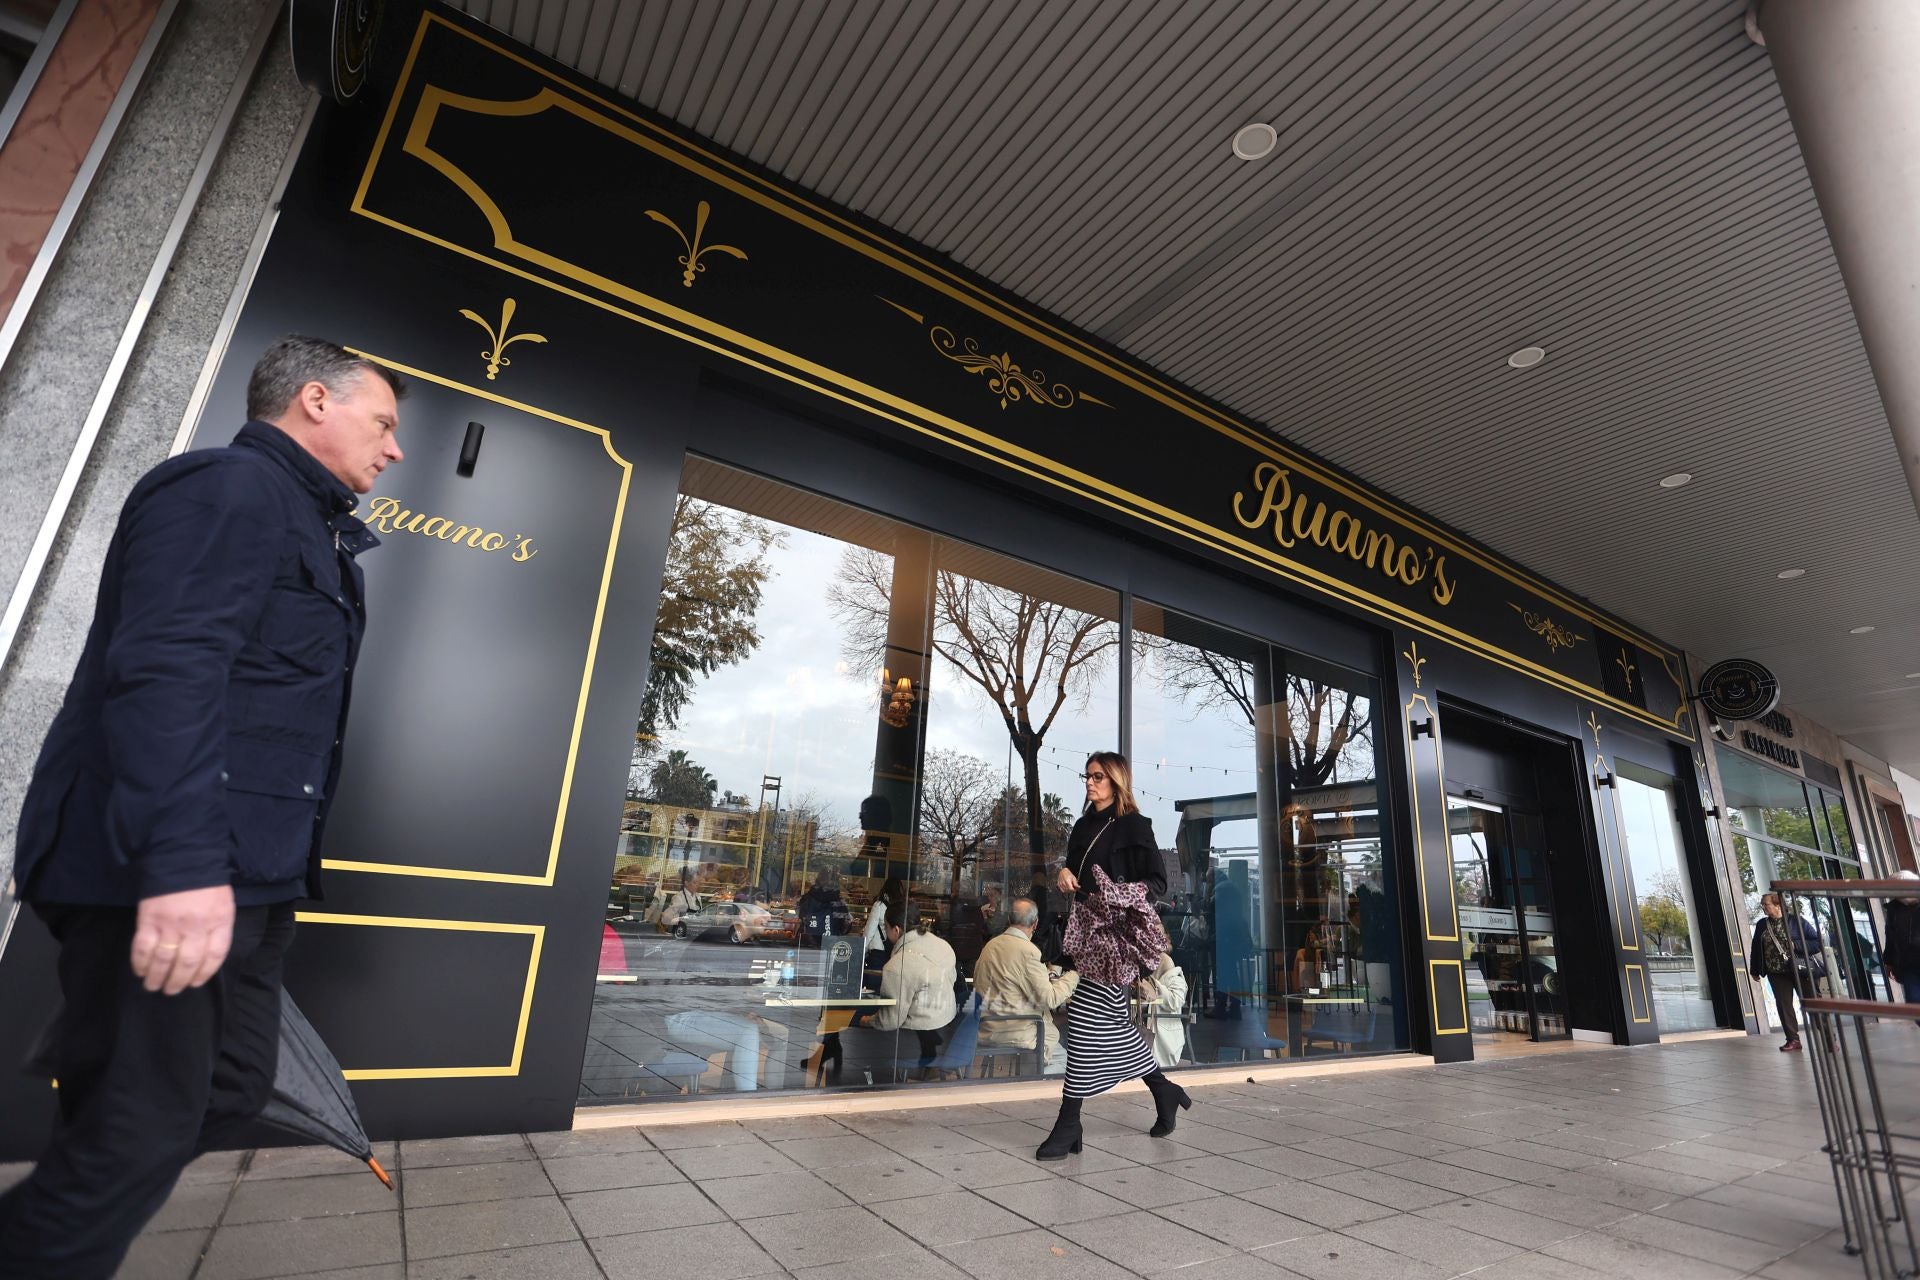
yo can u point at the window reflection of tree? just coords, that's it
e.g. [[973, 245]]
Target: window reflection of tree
[[1329, 729], [1031, 655]]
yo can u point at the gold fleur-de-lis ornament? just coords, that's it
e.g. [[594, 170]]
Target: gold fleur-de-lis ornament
[[1412, 654], [496, 356], [694, 249]]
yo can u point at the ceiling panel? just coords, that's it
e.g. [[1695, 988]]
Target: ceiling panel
[[1614, 180]]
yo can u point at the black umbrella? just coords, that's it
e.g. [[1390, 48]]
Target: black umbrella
[[310, 1095]]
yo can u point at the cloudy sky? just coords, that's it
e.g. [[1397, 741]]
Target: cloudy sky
[[796, 709]]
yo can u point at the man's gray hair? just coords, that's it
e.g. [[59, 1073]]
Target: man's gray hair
[[294, 361], [1024, 912]]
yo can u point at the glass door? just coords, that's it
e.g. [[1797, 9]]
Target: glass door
[[1503, 882], [1533, 892], [1671, 930]]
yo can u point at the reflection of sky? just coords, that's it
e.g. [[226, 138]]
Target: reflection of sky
[[1185, 751], [795, 709]]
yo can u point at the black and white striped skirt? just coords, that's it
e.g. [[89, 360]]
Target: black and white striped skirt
[[1103, 1045]]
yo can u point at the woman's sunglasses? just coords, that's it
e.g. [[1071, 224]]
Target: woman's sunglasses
[[1093, 777]]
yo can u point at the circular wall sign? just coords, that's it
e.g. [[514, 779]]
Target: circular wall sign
[[1739, 689], [332, 43]]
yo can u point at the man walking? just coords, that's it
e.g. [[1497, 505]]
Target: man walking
[[174, 814]]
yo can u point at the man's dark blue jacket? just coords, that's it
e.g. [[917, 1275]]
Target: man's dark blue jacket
[[200, 739]]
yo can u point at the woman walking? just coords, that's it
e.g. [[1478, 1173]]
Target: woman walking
[[1111, 851], [1784, 948]]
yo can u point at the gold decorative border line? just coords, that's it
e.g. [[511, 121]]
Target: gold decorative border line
[[1640, 972], [1433, 997], [546, 878], [1419, 833], [538, 932], [789, 367]]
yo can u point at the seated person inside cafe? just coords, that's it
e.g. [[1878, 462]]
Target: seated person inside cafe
[[919, 979], [1018, 993]]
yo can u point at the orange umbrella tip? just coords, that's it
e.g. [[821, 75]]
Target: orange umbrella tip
[[385, 1177]]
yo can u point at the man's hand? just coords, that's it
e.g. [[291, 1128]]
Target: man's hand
[[181, 939], [1068, 882]]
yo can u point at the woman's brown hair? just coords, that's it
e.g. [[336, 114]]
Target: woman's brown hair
[[1120, 774]]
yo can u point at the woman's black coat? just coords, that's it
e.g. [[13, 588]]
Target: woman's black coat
[[1126, 851]]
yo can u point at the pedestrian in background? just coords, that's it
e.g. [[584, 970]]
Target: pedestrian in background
[[1901, 953], [1786, 950], [175, 812]]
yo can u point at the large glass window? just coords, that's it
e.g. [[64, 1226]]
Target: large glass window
[[1786, 828], [1670, 917], [851, 723], [1258, 770], [848, 723]]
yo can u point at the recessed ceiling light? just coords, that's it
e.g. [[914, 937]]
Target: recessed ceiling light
[[1858, 631], [1675, 480], [1791, 573], [1527, 357], [1255, 140]]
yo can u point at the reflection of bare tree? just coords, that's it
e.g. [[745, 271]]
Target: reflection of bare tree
[[1201, 679], [1030, 656], [809, 835], [960, 810], [1329, 729]]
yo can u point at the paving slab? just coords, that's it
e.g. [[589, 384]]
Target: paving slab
[[820, 1237], [571, 1260], [626, 1210], [950, 1218], [1029, 1254], [442, 1230], [720, 1251], [1141, 1242], [470, 1183], [485, 1149], [252, 1251]]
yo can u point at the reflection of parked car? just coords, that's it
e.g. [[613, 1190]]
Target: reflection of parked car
[[737, 922]]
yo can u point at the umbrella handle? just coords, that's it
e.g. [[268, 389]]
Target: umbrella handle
[[385, 1177]]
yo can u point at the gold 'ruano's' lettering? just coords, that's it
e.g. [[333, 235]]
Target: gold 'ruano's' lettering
[[389, 516], [1292, 516]]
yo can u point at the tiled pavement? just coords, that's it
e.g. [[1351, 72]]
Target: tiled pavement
[[1682, 1161]]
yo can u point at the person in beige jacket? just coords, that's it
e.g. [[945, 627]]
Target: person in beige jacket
[[1015, 988], [919, 979]]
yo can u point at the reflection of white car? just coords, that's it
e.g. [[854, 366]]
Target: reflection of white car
[[737, 922]]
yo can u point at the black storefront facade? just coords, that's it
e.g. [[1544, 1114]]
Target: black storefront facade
[[922, 548]]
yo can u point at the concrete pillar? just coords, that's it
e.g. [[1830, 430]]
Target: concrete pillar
[[1850, 73]]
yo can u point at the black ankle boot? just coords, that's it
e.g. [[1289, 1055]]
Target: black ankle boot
[[1064, 1141], [1168, 1101]]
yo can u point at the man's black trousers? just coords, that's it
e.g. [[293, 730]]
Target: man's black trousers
[[147, 1082]]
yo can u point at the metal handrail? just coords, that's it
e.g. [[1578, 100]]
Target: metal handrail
[[1869, 1147]]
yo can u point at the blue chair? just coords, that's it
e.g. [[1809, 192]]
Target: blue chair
[[962, 1036], [1352, 1026]]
